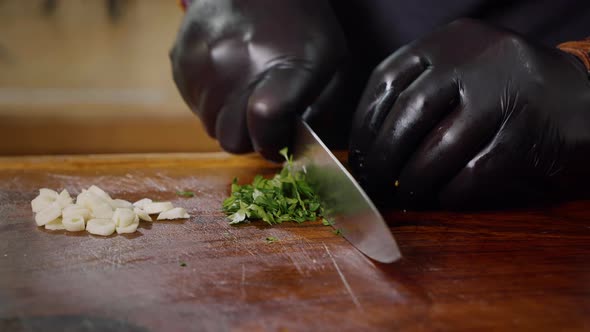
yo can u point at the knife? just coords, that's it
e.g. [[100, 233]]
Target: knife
[[345, 203]]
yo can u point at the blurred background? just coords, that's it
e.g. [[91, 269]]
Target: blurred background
[[92, 76]]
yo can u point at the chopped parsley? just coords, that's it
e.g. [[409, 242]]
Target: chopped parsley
[[285, 197], [327, 222], [185, 193], [183, 264], [271, 239]]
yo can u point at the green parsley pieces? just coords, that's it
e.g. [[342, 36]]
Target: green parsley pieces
[[183, 264], [286, 197], [271, 239], [187, 194]]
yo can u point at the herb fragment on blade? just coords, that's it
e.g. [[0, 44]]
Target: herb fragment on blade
[[285, 197]]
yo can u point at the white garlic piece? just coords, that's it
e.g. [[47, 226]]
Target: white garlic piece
[[41, 202], [142, 203], [74, 223], [157, 207], [124, 217], [104, 227], [44, 199], [142, 214], [121, 203], [175, 213], [131, 228], [100, 193], [48, 214], [55, 225], [64, 199], [75, 210]]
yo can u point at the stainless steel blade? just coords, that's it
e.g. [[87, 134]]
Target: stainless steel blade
[[345, 203]]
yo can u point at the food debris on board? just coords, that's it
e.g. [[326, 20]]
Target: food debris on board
[[271, 239], [96, 212], [185, 193]]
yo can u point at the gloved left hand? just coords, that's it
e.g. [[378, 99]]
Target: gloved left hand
[[248, 67]]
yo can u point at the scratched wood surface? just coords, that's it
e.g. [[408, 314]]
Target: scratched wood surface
[[512, 270]]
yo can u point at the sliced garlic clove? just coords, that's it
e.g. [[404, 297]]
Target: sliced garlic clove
[[50, 213], [98, 206], [55, 225], [75, 210], [157, 207], [74, 224], [41, 202], [142, 203], [101, 211], [87, 199], [121, 203], [175, 213], [131, 228], [104, 227], [64, 199], [82, 198], [124, 217], [45, 192], [142, 214], [99, 192]]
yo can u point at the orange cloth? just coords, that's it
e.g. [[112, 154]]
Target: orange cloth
[[580, 49]]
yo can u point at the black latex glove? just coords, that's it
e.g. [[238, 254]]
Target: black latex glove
[[473, 116], [248, 67]]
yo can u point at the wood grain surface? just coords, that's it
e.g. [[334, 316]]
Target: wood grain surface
[[524, 270]]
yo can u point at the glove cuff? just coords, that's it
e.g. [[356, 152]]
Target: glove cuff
[[580, 49]]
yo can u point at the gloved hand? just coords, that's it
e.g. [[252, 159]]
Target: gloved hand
[[473, 116], [248, 67]]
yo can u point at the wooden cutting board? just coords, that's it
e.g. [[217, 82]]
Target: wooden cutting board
[[515, 270]]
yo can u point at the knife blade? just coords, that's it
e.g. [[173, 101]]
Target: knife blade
[[345, 203]]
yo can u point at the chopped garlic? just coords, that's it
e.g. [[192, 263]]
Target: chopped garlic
[[41, 202], [104, 227], [44, 199], [101, 211], [175, 213], [157, 207], [121, 203], [48, 193], [75, 210], [64, 198], [104, 215], [100, 193], [74, 224], [82, 198], [55, 225], [142, 203], [131, 228], [124, 217], [142, 214], [50, 213]]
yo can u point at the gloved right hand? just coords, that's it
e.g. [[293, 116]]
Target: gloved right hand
[[247, 68]]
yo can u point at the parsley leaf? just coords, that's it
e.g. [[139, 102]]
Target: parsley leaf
[[185, 193], [285, 197], [271, 239]]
